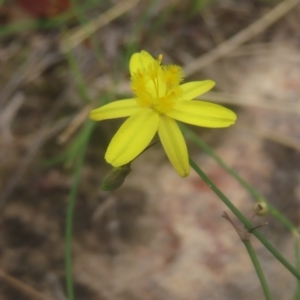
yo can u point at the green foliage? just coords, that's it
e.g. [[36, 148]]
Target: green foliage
[[199, 5]]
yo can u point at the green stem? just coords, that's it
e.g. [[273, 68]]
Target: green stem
[[252, 191], [258, 269], [70, 212], [297, 262], [244, 220], [80, 81]]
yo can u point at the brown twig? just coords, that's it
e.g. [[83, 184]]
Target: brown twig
[[280, 138], [36, 64], [209, 20], [44, 134], [243, 233], [82, 32], [276, 137], [244, 35], [242, 100], [8, 114], [22, 287], [76, 122]]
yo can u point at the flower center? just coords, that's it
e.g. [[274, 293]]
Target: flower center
[[156, 86]]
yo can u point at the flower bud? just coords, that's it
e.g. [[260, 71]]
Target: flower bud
[[115, 178], [261, 208]]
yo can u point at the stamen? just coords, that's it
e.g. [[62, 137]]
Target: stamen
[[157, 86], [160, 57]]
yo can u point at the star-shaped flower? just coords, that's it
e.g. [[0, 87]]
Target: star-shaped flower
[[159, 99]]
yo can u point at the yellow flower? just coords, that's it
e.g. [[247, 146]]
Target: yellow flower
[[159, 99]]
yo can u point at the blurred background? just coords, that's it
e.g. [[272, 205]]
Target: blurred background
[[158, 236]]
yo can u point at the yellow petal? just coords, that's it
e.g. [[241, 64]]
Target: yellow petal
[[174, 145], [193, 89], [203, 114], [132, 138], [117, 109], [140, 60]]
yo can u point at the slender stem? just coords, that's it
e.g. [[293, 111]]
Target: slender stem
[[297, 262], [243, 219], [70, 212], [251, 190], [258, 269]]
